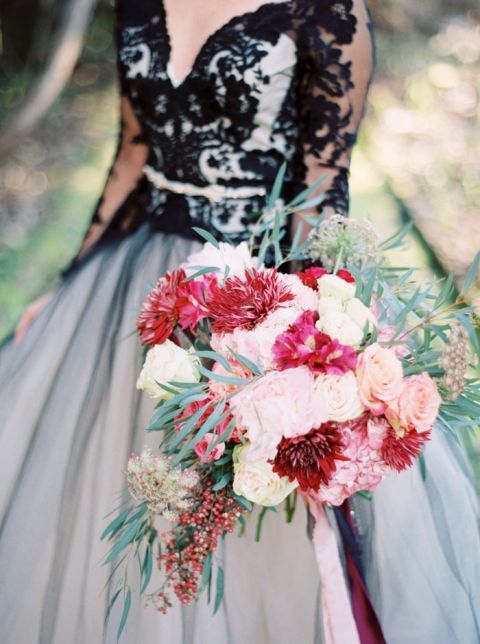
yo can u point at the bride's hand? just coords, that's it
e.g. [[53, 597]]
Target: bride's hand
[[32, 311]]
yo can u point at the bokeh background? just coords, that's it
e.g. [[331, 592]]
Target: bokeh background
[[418, 157]]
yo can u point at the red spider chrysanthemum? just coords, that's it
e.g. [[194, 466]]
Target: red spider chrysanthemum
[[302, 343], [399, 453], [310, 276], [310, 459], [245, 302], [159, 314]]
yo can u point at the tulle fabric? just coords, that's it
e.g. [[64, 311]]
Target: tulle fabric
[[421, 546], [69, 417]]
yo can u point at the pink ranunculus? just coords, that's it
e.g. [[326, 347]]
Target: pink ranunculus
[[364, 468], [380, 377], [281, 404], [419, 402], [202, 446]]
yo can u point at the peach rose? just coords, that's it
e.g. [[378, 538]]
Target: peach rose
[[380, 377], [419, 402]]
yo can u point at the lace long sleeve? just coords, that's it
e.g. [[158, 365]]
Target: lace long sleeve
[[337, 56], [123, 177]]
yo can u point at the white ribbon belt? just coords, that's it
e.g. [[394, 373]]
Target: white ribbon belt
[[213, 192]]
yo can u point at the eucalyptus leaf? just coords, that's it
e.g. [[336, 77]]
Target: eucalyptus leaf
[[206, 236]]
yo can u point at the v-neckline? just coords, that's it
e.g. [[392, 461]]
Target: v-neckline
[[245, 15]]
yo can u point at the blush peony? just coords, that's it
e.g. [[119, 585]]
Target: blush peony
[[281, 404], [236, 258]]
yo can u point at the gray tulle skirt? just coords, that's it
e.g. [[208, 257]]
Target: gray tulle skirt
[[70, 416]]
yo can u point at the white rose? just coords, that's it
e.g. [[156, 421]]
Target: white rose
[[360, 314], [255, 479], [329, 304], [339, 325], [236, 258], [164, 363], [334, 286], [340, 394]]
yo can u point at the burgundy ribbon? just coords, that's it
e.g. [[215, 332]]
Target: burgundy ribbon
[[368, 624]]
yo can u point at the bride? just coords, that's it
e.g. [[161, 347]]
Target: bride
[[215, 96]]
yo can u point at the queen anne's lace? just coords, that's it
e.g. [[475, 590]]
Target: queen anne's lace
[[284, 82]]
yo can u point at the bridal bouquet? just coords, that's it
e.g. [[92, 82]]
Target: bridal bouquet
[[270, 384]]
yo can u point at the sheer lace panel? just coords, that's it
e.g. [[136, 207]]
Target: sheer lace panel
[[337, 56]]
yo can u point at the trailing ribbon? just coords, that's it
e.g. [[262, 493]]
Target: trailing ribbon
[[338, 619]]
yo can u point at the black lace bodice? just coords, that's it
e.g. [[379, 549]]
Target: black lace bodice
[[283, 82]]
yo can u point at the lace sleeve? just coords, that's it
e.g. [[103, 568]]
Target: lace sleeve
[[336, 51], [124, 174]]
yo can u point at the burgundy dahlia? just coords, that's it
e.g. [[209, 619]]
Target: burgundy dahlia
[[399, 453], [310, 459], [244, 302], [159, 314]]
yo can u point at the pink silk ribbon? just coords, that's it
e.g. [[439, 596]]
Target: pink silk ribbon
[[339, 622]]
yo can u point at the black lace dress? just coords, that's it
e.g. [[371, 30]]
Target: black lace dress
[[285, 81]]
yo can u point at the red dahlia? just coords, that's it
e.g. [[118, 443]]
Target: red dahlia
[[399, 453], [310, 459], [159, 314], [245, 302]]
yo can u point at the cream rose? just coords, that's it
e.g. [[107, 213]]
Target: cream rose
[[419, 402], [380, 377], [255, 479], [334, 286], [360, 314], [340, 395], [327, 304], [340, 326], [165, 363]]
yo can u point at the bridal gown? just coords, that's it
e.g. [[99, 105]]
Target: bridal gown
[[284, 81]]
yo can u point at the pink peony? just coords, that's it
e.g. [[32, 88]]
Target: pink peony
[[380, 377], [256, 345], [281, 404], [202, 446], [302, 343]]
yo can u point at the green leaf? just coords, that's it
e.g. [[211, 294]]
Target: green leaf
[[127, 538], [219, 590], [300, 198], [241, 500], [471, 274], [116, 524], [277, 186], [126, 609], [223, 482], [423, 466], [206, 236], [397, 238], [202, 271], [147, 568], [206, 572], [217, 357], [251, 366], [111, 604], [231, 380]]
